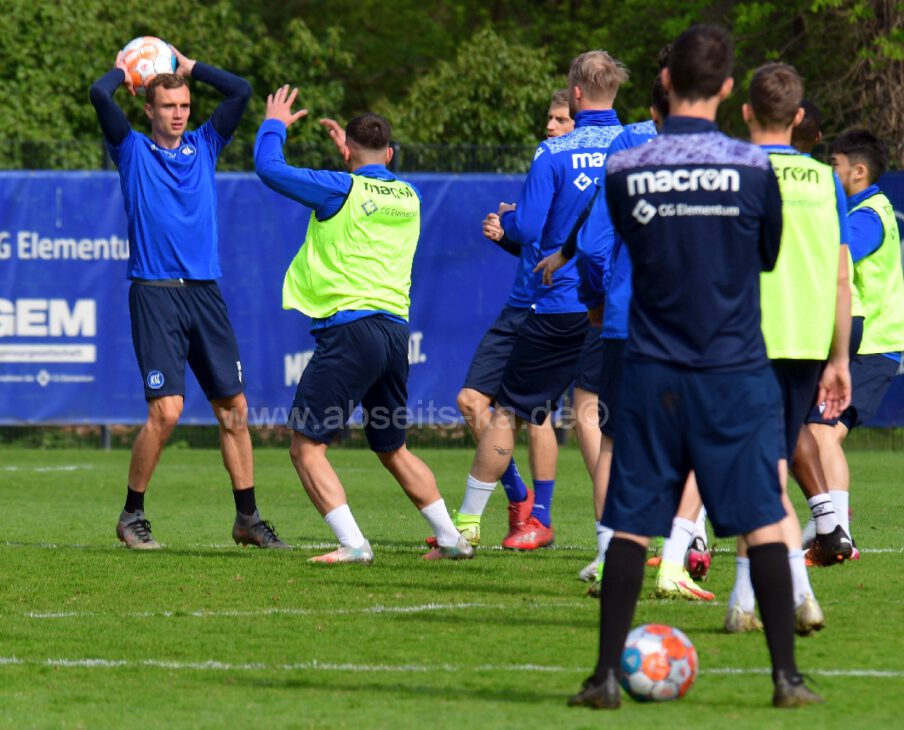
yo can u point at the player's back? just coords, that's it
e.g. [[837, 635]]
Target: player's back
[[701, 216]]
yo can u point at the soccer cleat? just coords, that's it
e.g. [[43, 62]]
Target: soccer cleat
[[468, 526], [698, 559], [592, 571], [790, 691], [135, 531], [596, 587], [673, 581], [252, 530], [855, 553], [655, 548], [808, 617], [363, 555], [738, 621], [462, 550], [605, 695], [531, 534], [518, 512], [830, 549]]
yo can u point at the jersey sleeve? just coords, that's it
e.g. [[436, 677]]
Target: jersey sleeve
[[866, 233], [771, 229], [525, 223]]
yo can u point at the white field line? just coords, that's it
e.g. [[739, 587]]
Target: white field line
[[66, 467], [387, 547], [315, 665]]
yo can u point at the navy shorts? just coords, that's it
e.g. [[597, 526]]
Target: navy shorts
[[172, 325], [871, 377], [364, 361], [587, 376], [724, 426], [610, 377], [542, 364], [798, 381], [488, 364]]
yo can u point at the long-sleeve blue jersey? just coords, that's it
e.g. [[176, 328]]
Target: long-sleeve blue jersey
[[701, 215], [602, 256], [558, 187]]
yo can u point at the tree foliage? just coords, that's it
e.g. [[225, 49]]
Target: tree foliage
[[463, 71]]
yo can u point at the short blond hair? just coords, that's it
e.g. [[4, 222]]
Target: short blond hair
[[598, 74]]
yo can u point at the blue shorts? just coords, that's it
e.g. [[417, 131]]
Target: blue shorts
[[590, 360], [542, 364], [798, 381], [364, 361], [488, 364], [612, 366], [172, 325], [724, 426]]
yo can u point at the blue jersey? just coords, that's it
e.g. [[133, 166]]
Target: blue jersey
[[526, 281], [867, 231], [559, 185], [604, 261], [701, 215], [171, 203]]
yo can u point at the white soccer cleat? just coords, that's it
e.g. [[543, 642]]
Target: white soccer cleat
[[739, 621], [591, 572], [363, 555], [809, 617]]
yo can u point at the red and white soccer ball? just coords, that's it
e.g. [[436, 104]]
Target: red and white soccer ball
[[147, 56], [659, 663]]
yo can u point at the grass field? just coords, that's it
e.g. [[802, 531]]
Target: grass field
[[207, 635]]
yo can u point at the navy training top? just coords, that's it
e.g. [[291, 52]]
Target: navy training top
[[701, 215]]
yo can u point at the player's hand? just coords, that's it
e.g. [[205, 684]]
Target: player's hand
[[595, 316], [505, 208], [184, 65], [834, 389], [492, 229], [127, 81], [279, 106], [550, 265], [337, 134]]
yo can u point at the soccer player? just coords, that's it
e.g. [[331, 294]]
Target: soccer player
[[177, 312], [485, 372], [352, 276], [860, 159], [806, 315], [542, 363], [700, 214]]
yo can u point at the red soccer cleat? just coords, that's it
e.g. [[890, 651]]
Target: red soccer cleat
[[530, 535], [518, 513]]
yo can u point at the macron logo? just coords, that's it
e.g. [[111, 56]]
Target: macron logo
[[580, 160], [665, 181]]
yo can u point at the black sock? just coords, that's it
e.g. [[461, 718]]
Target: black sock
[[134, 500], [245, 503], [619, 589], [770, 574]]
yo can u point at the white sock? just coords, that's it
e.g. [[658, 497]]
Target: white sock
[[678, 542], [840, 500], [823, 513], [477, 494], [742, 593], [603, 536], [441, 524], [809, 531], [800, 581], [344, 527], [700, 526]]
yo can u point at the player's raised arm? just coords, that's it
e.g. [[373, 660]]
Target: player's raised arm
[[113, 121], [226, 117]]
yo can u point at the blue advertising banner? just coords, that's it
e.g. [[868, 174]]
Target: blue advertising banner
[[65, 345]]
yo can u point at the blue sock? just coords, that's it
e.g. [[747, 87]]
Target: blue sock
[[515, 488], [542, 510]]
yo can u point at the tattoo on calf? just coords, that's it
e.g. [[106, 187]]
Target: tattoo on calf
[[502, 452]]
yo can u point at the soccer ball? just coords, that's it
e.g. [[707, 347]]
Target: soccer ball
[[147, 56], [659, 663]]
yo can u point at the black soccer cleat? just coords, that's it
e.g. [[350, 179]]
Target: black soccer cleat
[[252, 530], [831, 548], [605, 695], [790, 691]]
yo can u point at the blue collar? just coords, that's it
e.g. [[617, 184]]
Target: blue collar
[[857, 198], [381, 172], [688, 125], [596, 118], [783, 148]]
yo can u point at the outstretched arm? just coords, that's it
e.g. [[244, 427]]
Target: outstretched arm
[[226, 117], [113, 121]]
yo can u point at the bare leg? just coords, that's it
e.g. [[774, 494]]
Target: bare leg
[[543, 450], [494, 452], [587, 426], [413, 475], [476, 410], [235, 441], [601, 475], [163, 415], [317, 476]]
